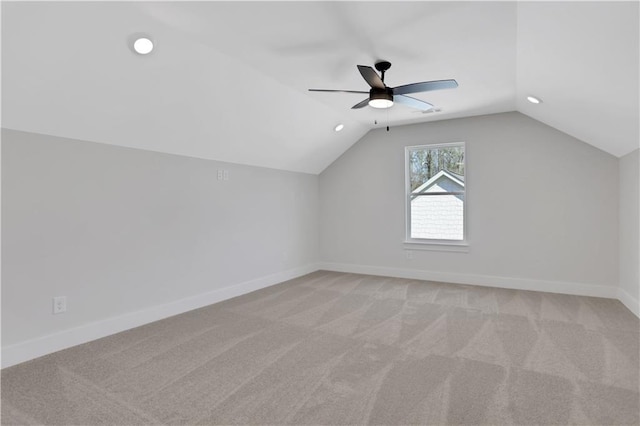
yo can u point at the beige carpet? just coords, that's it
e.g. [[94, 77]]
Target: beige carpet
[[333, 348]]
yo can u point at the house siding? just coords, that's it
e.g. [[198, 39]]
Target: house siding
[[438, 217]]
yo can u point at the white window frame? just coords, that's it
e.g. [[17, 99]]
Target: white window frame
[[426, 243]]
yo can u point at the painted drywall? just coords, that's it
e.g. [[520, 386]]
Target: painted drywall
[[119, 230], [542, 207], [630, 229]]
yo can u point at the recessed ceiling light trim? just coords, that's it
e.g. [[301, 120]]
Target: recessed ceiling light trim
[[143, 45], [338, 127], [534, 100]]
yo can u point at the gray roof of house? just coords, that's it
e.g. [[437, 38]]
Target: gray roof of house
[[442, 173]]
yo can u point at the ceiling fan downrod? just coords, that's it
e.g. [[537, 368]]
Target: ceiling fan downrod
[[382, 66]]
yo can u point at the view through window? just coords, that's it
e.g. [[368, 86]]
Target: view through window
[[436, 192]]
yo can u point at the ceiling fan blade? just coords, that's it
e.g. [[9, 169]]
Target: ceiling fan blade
[[371, 77], [361, 104], [412, 102], [340, 91], [425, 86]]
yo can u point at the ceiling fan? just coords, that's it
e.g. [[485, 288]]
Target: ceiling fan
[[383, 96]]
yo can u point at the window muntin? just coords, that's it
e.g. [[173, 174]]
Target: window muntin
[[435, 193]]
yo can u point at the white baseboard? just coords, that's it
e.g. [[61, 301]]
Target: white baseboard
[[30, 349], [629, 301], [579, 289]]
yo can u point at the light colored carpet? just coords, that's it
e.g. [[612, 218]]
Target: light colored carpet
[[333, 348]]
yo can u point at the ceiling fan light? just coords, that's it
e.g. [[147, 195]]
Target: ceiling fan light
[[380, 103], [380, 99]]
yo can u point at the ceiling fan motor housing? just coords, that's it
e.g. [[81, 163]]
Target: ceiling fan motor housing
[[381, 98]]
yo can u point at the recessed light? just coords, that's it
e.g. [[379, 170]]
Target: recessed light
[[533, 99], [143, 45], [339, 127]]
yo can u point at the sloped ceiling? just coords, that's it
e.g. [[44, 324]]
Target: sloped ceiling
[[228, 81]]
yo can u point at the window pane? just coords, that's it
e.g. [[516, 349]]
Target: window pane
[[437, 188], [437, 217], [426, 163]]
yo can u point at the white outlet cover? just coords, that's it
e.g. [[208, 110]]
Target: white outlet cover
[[59, 304]]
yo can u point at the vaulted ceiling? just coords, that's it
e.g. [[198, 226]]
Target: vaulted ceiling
[[228, 80]]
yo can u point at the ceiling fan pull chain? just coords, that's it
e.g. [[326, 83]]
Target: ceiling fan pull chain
[[387, 118]]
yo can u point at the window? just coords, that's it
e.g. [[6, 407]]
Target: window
[[435, 193]]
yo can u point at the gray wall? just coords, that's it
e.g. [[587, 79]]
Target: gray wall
[[541, 204], [630, 224], [118, 230]]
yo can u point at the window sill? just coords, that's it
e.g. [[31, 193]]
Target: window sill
[[456, 247]]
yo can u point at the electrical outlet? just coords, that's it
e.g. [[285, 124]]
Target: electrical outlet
[[223, 174], [59, 304], [409, 254]]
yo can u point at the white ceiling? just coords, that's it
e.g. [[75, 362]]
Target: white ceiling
[[228, 81]]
